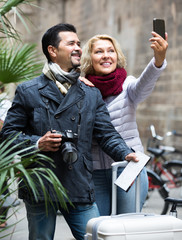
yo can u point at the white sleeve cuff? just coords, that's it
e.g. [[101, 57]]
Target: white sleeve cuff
[[163, 65]]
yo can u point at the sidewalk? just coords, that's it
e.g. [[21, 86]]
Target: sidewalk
[[20, 231]]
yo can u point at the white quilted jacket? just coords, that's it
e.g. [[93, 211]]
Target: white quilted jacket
[[122, 109]]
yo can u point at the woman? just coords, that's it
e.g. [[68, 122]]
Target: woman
[[103, 64]]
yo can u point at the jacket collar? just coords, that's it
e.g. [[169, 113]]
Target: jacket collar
[[48, 89]]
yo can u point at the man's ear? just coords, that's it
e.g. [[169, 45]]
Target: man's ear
[[51, 51]]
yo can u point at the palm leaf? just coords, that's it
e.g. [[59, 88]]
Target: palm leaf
[[18, 62], [8, 6], [10, 171], [7, 27]]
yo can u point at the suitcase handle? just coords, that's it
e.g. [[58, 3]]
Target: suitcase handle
[[134, 214], [115, 167]]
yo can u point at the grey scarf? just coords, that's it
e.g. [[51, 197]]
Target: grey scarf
[[63, 76], [63, 79]]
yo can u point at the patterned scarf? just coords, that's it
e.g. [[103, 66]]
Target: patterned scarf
[[110, 84], [63, 79]]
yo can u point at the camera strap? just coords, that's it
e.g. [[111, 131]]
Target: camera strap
[[79, 105], [46, 100]]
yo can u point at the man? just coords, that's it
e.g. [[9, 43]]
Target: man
[[58, 101]]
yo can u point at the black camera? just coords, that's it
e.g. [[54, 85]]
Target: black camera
[[68, 146]]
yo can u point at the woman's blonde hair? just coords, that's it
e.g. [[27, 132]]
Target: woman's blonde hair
[[86, 61]]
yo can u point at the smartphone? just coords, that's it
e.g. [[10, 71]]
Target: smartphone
[[159, 27]]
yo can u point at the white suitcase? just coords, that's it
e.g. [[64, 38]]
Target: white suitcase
[[133, 226]]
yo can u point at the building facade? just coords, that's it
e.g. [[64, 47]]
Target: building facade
[[130, 22]]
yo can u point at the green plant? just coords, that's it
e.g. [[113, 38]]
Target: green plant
[[7, 28], [18, 62], [11, 171]]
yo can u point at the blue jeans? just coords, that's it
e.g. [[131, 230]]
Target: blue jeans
[[125, 200], [41, 225]]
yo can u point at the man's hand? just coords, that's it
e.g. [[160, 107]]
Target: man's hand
[[159, 45], [86, 81], [50, 142], [131, 157]]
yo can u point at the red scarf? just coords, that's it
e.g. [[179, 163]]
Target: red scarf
[[110, 84]]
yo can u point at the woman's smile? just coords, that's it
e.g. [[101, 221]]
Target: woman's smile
[[104, 57]]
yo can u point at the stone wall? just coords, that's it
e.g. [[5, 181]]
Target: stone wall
[[130, 22]]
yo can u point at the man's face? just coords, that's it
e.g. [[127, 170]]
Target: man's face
[[68, 53]]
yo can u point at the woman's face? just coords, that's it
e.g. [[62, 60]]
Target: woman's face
[[104, 57]]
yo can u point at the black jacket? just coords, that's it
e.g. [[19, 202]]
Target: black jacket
[[28, 114]]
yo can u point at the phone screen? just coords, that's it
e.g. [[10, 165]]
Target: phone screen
[[159, 27]]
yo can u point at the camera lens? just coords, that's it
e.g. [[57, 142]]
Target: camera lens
[[69, 152]]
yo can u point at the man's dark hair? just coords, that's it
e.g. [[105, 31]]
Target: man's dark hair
[[51, 36]]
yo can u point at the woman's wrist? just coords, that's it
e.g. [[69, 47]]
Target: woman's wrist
[[158, 64]]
